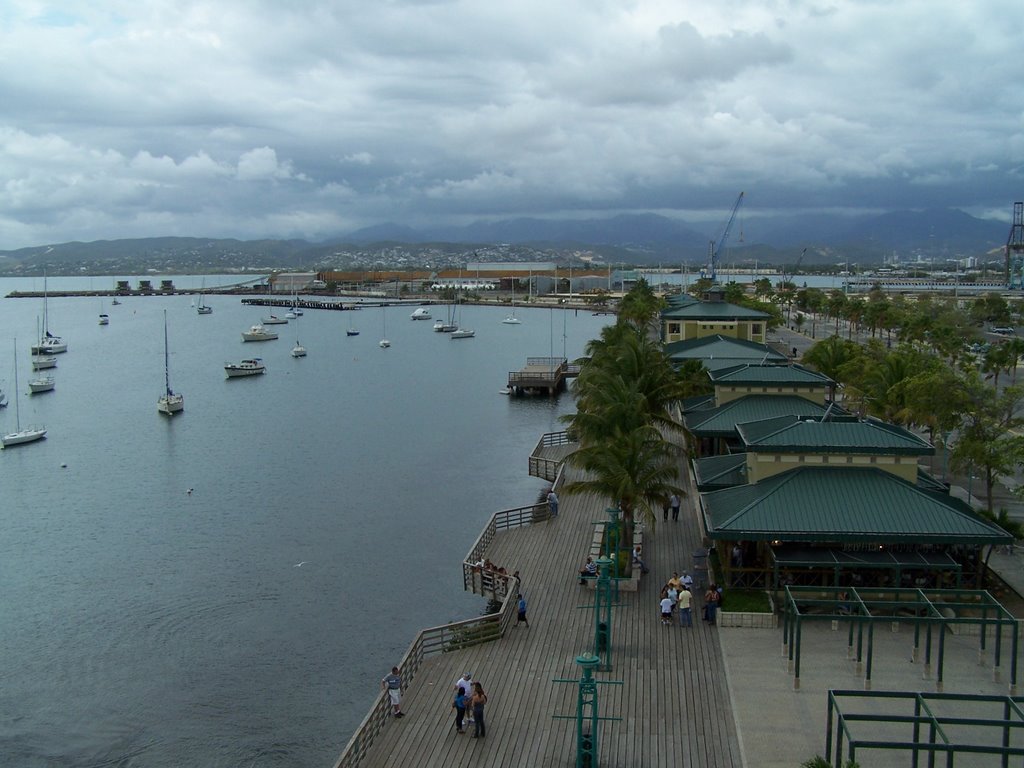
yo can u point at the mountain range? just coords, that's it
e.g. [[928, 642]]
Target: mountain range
[[631, 238]]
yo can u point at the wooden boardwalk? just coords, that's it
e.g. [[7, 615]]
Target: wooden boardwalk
[[674, 703]]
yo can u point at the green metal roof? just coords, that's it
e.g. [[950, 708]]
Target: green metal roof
[[837, 434], [697, 403], [709, 348], [716, 472], [833, 504], [713, 311], [764, 374], [681, 300], [723, 420]]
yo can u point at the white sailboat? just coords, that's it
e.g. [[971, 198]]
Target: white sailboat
[[19, 436], [512, 319], [384, 343], [298, 350], [42, 384], [170, 402], [460, 332], [48, 344], [104, 317]]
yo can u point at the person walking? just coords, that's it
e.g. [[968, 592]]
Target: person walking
[[521, 618], [393, 685], [683, 603], [665, 504], [674, 503], [459, 705], [478, 700], [466, 684], [553, 502]]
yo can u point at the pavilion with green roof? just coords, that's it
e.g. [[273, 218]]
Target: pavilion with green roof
[[718, 351], [836, 501], [683, 319]]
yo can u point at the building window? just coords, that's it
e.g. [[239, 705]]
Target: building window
[[755, 328]]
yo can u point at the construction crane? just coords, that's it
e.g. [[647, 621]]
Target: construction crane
[[715, 251], [788, 273]]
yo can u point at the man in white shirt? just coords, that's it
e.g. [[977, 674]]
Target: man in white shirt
[[465, 683]]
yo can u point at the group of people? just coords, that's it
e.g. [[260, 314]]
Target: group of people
[[677, 597], [468, 704]]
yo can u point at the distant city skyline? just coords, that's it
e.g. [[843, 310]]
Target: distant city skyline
[[259, 120]]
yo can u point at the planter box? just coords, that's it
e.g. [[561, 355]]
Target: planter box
[[632, 584], [749, 620]]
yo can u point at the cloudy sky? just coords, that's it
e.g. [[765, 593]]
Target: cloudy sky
[[266, 118]]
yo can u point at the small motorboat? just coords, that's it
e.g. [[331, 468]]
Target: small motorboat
[[41, 362], [351, 332], [258, 333], [251, 367], [420, 313], [104, 319], [274, 320], [384, 343], [463, 333]]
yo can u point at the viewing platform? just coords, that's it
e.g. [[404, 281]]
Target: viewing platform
[[542, 375], [674, 702]]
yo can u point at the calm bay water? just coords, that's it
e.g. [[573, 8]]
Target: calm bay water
[[145, 626]]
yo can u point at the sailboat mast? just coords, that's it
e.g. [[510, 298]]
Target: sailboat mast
[[17, 398], [167, 374]]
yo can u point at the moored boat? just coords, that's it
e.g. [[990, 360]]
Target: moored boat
[[420, 313], [298, 350], [258, 333], [252, 367], [463, 333], [170, 402], [28, 434], [41, 362], [42, 384], [274, 320]]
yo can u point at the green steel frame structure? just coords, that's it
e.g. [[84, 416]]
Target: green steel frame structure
[[931, 611], [939, 725]]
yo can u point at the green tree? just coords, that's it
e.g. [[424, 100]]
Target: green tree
[[641, 306], [829, 355], [986, 441]]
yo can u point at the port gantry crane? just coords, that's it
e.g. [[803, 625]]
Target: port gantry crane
[[715, 251]]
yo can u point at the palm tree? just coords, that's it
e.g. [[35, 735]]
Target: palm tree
[[637, 469]]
